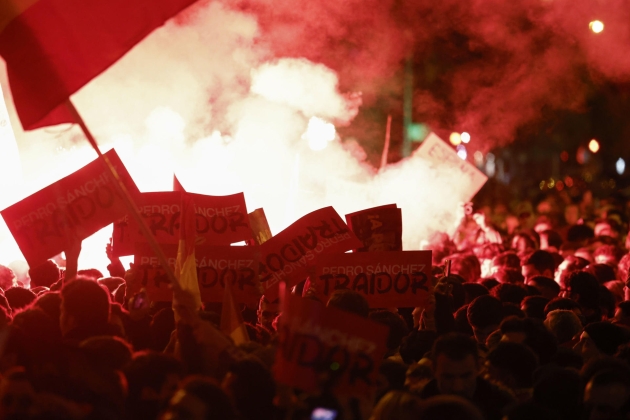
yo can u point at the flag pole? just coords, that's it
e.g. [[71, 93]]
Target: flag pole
[[388, 131], [120, 186]]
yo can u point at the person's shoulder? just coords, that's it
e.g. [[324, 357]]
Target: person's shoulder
[[488, 391]]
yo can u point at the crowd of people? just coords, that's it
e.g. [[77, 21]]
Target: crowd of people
[[529, 318]]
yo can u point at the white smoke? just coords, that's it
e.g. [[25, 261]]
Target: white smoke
[[207, 101]]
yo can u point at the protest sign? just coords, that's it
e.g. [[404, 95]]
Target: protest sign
[[216, 265], [287, 256], [441, 156], [323, 347], [386, 279], [219, 220], [379, 228], [71, 209]]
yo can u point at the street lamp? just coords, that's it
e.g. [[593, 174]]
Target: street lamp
[[597, 26]]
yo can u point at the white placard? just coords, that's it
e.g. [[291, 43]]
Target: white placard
[[441, 157]]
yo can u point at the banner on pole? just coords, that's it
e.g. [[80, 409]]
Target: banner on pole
[[71, 209]]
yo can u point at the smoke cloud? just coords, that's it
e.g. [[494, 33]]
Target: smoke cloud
[[222, 95], [488, 67]]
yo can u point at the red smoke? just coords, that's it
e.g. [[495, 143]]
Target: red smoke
[[483, 66], [183, 100]]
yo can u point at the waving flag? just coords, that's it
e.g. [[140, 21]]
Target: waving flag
[[185, 266], [231, 319], [177, 186], [52, 48]]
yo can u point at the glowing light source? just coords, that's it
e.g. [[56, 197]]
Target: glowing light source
[[465, 137], [319, 133], [417, 131], [593, 146], [620, 166], [462, 152], [564, 156], [597, 26], [455, 139], [154, 172], [491, 168], [165, 125]]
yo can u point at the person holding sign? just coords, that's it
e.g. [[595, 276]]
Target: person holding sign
[[69, 210], [72, 260], [472, 229]]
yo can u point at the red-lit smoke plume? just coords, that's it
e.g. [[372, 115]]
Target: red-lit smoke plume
[[223, 94]]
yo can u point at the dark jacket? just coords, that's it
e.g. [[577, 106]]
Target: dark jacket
[[488, 398]]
